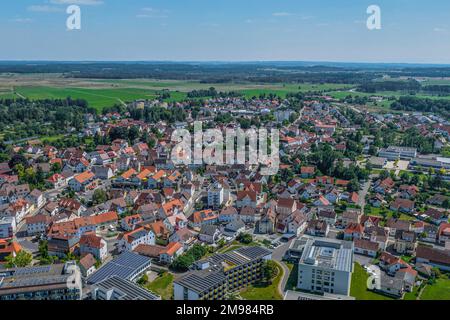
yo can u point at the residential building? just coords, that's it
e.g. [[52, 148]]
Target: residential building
[[326, 265]]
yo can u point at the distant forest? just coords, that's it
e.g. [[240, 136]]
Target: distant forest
[[265, 72]]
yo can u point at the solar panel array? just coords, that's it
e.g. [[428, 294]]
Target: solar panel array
[[127, 290], [32, 270], [123, 266]]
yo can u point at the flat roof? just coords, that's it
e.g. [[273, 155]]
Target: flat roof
[[124, 266]]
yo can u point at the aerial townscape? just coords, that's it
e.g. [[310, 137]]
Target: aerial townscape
[[224, 158], [94, 207]]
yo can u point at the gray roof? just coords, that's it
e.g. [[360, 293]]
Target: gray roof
[[202, 280], [125, 289], [125, 266], [328, 253]]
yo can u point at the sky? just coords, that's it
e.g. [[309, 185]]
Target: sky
[[412, 31]]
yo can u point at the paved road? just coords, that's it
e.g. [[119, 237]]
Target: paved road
[[277, 255]]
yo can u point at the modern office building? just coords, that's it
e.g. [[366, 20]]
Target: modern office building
[[221, 274], [394, 153], [52, 282], [326, 266]]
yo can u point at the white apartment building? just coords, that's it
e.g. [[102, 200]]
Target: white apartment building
[[326, 266], [216, 196]]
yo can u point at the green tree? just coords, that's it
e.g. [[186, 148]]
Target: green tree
[[22, 259]]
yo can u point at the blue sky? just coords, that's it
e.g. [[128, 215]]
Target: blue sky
[[413, 31]]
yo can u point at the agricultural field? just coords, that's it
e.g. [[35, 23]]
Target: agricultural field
[[97, 98]]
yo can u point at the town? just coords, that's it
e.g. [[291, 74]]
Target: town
[[362, 195]]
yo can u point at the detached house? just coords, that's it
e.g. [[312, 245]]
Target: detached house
[[83, 181], [130, 240], [90, 243], [402, 205]]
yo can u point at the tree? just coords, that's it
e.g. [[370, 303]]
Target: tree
[[22, 259], [269, 271], [353, 185], [99, 196], [245, 238]]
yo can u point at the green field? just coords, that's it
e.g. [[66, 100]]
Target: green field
[[358, 287], [97, 98], [438, 291], [162, 285]]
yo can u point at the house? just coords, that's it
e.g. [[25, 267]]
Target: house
[[366, 247], [87, 265], [103, 172], [37, 224], [390, 263], [317, 228], [405, 242], [161, 232], [384, 186], [201, 218], [233, 228], [350, 216], [377, 234], [71, 205], [129, 223], [402, 205], [176, 221], [130, 240], [228, 214], [437, 200], [353, 231], [170, 208], [444, 233], [57, 181], [377, 200], [7, 248], [307, 172], [93, 244], [36, 197], [328, 215], [439, 258], [209, 234], [321, 202], [171, 252], [184, 236], [249, 215], [7, 227], [408, 192], [267, 223], [435, 216], [393, 225], [83, 181], [353, 198]]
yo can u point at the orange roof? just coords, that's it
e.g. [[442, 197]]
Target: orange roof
[[143, 174], [85, 176], [127, 174], [172, 248], [159, 174]]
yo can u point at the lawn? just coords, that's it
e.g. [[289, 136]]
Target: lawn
[[438, 291], [264, 292], [291, 283], [96, 98], [162, 285], [358, 287]]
